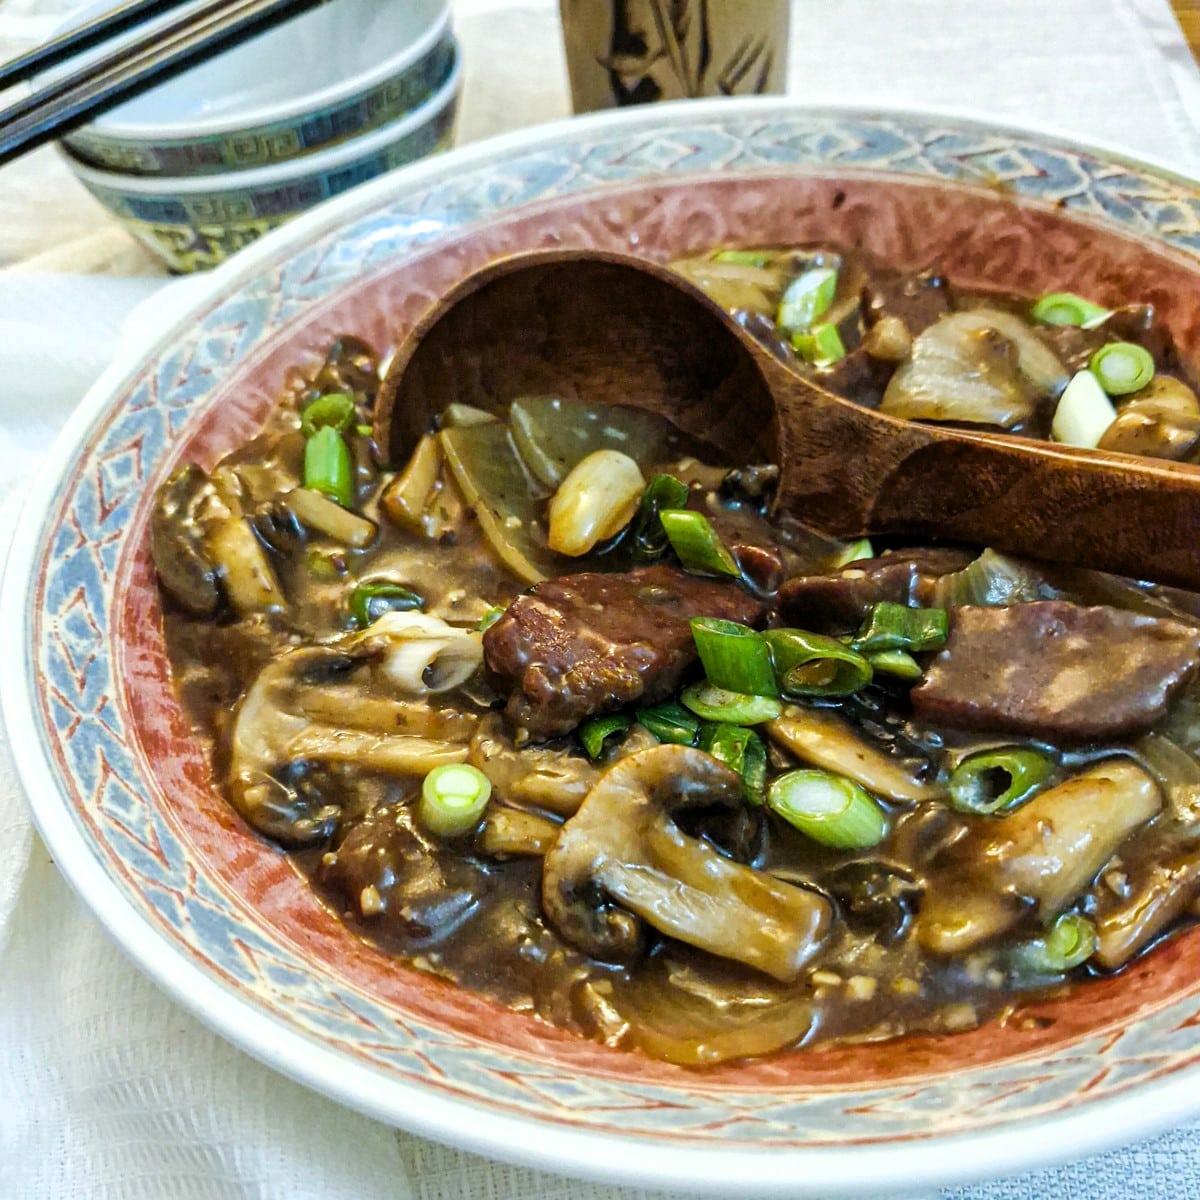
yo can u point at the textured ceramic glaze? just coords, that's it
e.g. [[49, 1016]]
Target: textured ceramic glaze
[[274, 142], [196, 222], [124, 794]]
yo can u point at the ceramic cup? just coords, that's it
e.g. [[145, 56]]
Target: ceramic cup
[[195, 222], [635, 51], [334, 73]]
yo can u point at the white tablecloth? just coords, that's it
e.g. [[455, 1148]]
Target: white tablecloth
[[106, 1088]]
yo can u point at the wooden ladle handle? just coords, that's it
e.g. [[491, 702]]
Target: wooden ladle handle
[[850, 471], [614, 329]]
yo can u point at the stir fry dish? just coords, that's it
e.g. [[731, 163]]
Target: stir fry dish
[[559, 710]]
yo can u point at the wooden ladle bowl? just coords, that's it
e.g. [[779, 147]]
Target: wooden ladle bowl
[[615, 329]]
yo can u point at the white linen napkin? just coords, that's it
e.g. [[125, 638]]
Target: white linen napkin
[[107, 1089]]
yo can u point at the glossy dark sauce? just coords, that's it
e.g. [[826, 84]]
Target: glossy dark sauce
[[477, 920]]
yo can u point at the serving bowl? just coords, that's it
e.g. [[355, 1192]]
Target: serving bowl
[[335, 72], [194, 222], [125, 799]]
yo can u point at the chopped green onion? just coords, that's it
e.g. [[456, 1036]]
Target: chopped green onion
[[369, 601], [327, 466], [364, 430], [730, 708], [1122, 367], [829, 808], [1067, 944], [335, 411], [806, 298], [890, 626], [595, 731], [743, 258], [648, 538], [854, 552], [734, 656], [821, 346], [811, 664], [1065, 308], [489, 618], [696, 543], [899, 663], [997, 780], [743, 750], [1084, 412], [670, 722], [453, 798], [325, 566]]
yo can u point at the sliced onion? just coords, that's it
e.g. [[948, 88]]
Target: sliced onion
[[981, 367]]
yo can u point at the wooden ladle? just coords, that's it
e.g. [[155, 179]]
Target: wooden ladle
[[615, 329]]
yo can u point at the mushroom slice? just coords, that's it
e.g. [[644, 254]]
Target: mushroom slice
[[275, 731], [512, 832], [818, 737], [1160, 893], [177, 543], [621, 860], [203, 545], [1039, 858], [533, 777]]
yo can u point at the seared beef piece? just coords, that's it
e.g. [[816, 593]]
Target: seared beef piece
[[586, 644], [838, 601], [1057, 671], [918, 300]]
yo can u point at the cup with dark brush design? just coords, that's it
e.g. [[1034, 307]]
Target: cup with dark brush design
[[636, 51]]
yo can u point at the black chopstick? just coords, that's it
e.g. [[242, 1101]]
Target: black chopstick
[[137, 65], [92, 33]]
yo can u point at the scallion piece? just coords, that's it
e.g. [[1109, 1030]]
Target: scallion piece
[[1065, 308], [994, 781], [730, 708], [369, 601], [670, 722], [453, 799], [890, 626], [364, 430], [1067, 944], [828, 808], [335, 411], [811, 664], [898, 663], [696, 543], [489, 618], [743, 750], [822, 345], [595, 731], [806, 298], [734, 656], [742, 258], [854, 552], [648, 539], [1122, 367], [327, 466]]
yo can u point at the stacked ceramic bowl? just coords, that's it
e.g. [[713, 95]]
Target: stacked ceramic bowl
[[209, 161]]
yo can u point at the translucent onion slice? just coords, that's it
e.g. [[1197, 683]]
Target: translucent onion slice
[[982, 366]]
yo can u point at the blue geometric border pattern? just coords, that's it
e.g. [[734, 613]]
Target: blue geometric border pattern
[[86, 534]]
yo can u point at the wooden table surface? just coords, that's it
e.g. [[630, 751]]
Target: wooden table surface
[[1188, 12]]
